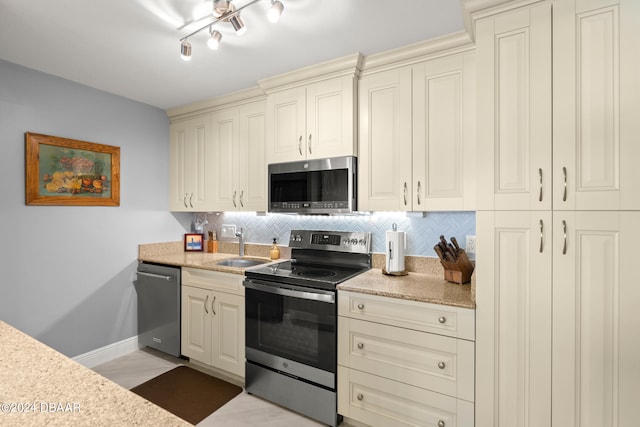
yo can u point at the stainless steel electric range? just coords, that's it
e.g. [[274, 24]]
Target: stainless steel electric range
[[291, 321]]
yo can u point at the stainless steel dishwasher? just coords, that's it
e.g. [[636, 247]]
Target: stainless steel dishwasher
[[158, 289]]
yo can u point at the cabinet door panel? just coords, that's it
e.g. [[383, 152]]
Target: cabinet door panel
[[385, 180], [196, 324], [225, 130], [514, 122], [252, 167], [228, 336], [513, 315], [444, 133], [595, 105], [286, 126], [595, 341]]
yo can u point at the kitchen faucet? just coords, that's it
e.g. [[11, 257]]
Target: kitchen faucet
[[240, 237]]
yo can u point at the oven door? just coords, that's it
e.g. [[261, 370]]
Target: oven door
[[292, 329]]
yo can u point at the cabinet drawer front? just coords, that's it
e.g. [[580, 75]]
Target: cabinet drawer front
[[435, 318], [381, 402], [429, 361], [213, 280]]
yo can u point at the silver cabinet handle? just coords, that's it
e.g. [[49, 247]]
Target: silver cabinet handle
[[405, 194], [541, 235], [441, 423], [540, 195], [309, 144], [564, 232], [241, 202], [205, 304], [442, 319], [300, 145], [360, 397], [360, 306], [234, 199], [360, 346], [155, 276], [213, 301], [191, 200], [184, 200], [441, 365], [564, 194], [418, 192]]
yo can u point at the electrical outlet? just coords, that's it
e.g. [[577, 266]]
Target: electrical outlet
[[471, 245], [228, 231]]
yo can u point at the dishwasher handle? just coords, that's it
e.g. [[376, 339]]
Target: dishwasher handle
[[155, 276]]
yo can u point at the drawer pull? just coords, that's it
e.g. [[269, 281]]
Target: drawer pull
[[360, 397], [442, 319], [360, 345], [360, 306], [441, 365], [441, 423]]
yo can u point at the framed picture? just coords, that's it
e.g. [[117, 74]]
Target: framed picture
[[193, 242], [68, 172]]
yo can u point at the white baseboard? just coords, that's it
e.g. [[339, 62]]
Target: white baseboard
[[108, 352]]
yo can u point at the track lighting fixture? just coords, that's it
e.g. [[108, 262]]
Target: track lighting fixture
[[185, 50], [225, 11], [214, 39], [275, 11]]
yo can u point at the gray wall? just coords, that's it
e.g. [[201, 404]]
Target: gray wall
[[66, 271]]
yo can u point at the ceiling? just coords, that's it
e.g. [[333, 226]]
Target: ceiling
[[131, 47]]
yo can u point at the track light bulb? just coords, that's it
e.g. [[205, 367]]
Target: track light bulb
[[185, 50], [238, 25], [214, 40], [275, 11]]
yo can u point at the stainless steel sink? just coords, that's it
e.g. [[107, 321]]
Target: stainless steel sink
[[241, 262]]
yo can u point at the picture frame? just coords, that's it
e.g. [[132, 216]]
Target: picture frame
[[193, 242], [68, 172]]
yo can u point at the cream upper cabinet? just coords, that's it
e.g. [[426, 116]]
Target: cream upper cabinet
[[190, 152], [513, 315], [312, 121], [239, 171], [417, 136], [596, 83], [596, 345], [384, 161], [444, 154], [514, 121]]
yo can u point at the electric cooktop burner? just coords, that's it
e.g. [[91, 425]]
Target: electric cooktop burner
[[313, 272]]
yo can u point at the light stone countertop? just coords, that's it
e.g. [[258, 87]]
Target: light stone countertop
[[40, 386], [414, 286], [423, 283]]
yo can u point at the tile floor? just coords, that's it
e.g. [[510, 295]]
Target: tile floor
[[242, 411]]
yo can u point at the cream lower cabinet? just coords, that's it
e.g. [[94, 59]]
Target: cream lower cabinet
[[513, 315], [417, 136], [239, 175], [404, 362], [557, 317], [596, 315], [213, 319]]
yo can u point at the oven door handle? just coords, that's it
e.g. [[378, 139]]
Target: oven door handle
[[316, 295]]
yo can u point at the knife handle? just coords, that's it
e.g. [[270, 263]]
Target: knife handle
[[455, 243], [438, 251]]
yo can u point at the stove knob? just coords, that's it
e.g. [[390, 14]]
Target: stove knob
[[345, 242], [362, 242], [354, 241]]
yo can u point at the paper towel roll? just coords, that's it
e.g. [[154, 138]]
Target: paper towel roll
[[396, 244]]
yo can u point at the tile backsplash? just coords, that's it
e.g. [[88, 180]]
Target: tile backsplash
[[423, 229]]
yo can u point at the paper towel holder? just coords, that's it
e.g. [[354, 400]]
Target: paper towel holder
[[394, 273]]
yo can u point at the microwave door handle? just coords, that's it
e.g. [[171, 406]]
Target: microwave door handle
[[320, 296]]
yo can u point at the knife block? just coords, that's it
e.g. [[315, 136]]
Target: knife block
[[458, 272]]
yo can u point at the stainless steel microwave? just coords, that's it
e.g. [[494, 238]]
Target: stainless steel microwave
[[318, 186]]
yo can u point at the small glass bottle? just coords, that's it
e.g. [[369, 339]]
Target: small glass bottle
[[274, 253]]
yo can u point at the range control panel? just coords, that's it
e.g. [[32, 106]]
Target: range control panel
[[344, 241]]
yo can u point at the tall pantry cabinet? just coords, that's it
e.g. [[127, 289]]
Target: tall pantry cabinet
[[556, 298]]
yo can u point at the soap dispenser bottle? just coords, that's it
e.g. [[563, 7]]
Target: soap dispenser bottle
[[274, 253]]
